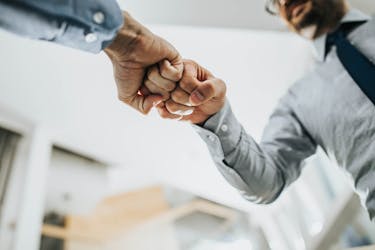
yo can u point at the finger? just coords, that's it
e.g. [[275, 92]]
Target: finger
[[193, 75], [174, 58], [212, 88], [142, 103], [145, 91], [171, 72], [165, 114], [128, 85], [178, 109], [189, 83], [154, 76], [181, 97], [153, 88]]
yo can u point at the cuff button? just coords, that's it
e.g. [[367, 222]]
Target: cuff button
[[211, 138], [90, 38], [98, 17], [224, 128]]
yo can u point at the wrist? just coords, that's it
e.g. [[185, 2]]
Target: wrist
[[127, 39], [203, 121]]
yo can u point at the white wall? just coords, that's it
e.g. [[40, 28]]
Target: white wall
[[74, 184], [73, 94], [214, 13]]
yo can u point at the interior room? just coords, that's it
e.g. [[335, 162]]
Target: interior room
[[80, 170]]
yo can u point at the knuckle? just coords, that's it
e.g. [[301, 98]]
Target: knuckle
[[170, 73], [179, 97], [208, 88], [170, 86], [166, 72], [166, 96], [172, 106], [185, 85], [152, 73], [176, 95]]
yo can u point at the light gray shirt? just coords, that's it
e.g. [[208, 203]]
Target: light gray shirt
[[325, 108]]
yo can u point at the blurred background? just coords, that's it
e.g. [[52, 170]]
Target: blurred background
[[79, 170]]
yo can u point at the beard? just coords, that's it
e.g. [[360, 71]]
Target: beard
[[323, 16]]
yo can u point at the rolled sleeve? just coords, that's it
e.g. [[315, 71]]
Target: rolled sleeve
[[88, 25]]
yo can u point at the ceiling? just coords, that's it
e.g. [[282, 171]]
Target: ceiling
[[248, 14]]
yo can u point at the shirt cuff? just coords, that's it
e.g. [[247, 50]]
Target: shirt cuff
[[101, 29], [222, 133], [226, 127], [83, 39], [85, 25]]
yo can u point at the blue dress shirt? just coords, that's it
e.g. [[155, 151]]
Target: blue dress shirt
[[88, 25]]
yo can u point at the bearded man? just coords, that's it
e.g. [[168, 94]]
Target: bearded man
[[331, 107]]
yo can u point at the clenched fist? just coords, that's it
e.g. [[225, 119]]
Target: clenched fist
[[132, 52], [197, 97]]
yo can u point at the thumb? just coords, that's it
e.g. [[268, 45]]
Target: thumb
[[206, 91], [145, 104]]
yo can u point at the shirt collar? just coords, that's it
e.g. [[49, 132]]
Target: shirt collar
[[353, 15]]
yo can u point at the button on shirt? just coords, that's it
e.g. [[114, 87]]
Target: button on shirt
[[325, 108]]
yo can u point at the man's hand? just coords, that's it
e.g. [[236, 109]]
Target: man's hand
[[134, 50], [198, 96]]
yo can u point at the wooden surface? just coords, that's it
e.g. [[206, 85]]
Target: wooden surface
[[131, 212], [112, 215], [364, 248]]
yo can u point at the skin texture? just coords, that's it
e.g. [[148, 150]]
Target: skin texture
[[132, 52]]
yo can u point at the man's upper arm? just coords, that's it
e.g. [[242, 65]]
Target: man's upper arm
[[87, 25]]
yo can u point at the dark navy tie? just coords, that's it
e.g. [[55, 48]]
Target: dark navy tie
[[359, 67]]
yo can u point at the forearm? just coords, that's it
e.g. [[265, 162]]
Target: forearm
[[240, 159], [259, 171], [86, 25]]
